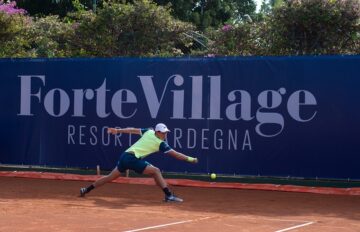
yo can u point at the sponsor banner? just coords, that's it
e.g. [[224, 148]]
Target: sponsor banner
[[268, 116]]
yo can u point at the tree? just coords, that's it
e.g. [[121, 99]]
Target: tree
[[53, 7], [50, 37], [302, 27], [239, 40], [13, 23], [10, 8], [46, 7], [276, 3], [139, 29], [265, 7], [244, 7], [210, 13]]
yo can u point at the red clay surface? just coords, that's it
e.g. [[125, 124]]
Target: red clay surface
[[53, 205], [188, 183]]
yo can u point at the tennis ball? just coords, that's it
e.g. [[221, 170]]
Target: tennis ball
[[213, 176]]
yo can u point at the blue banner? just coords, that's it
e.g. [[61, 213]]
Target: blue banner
[[267, 116]]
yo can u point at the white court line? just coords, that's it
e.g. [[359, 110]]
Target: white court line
[[294, 227], [269, 219], [168, 224]]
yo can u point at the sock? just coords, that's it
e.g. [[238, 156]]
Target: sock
[[167, 191], [88, 189]]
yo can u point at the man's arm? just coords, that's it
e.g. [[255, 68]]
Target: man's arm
[[181, 156], [128, 130]]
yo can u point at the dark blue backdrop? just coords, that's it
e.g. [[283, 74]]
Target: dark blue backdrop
[[269, 116]]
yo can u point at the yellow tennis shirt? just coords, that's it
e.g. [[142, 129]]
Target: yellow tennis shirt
[[148, 144]]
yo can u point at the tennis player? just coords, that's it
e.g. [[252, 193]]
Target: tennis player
[[133, 158]]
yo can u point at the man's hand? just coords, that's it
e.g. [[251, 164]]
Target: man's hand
[[195, 161], [113, 131], [192, 160]]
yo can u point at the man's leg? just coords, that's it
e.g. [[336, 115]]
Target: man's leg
[[156, 174], [100, 182], [160, 181]]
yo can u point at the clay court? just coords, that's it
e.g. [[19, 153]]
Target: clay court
[[28, 204]]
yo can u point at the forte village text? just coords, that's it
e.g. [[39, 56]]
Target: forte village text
[[234, 106]]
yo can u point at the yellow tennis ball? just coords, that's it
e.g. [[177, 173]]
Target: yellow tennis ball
[[213, 176]]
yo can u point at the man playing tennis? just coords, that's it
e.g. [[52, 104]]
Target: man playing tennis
[[151, 141]]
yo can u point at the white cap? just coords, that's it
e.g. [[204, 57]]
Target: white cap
[[161, 127]]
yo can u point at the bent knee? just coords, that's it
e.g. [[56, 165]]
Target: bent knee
[[157, 170], [153, 170]]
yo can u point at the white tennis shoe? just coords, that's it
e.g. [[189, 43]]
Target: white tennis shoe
[[173, 198]]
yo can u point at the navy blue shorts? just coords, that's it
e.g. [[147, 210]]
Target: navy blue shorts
[[129, 161]]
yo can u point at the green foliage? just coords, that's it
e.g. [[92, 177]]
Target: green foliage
[[139, 29], [12, 35], [299, 27], [313, 27], [243, 8], [143, 29], [276, 3], [210, 13], [265, 7], [78, 6], [50, 37], [235, 40]]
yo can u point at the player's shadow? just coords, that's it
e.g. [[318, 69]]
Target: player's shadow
[[230, 202], [122, 203]]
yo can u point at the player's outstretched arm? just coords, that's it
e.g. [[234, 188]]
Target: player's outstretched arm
[[181, 156], [128, 130]]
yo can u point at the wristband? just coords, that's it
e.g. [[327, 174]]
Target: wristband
[[190, 159]]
